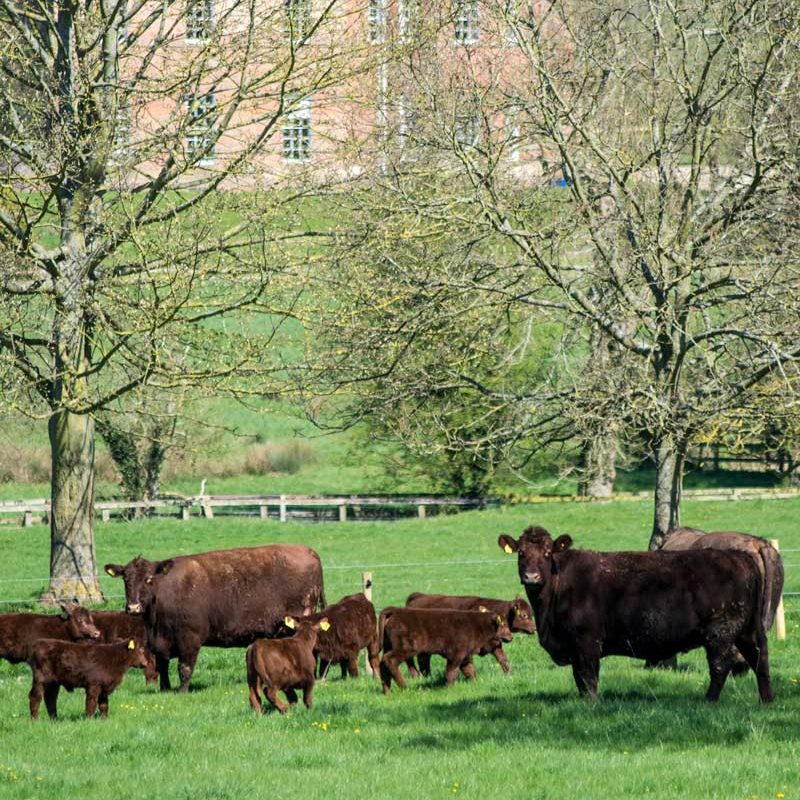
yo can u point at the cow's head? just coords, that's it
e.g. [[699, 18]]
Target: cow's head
[[80, 624], [137, 657], [141, 580], [535, 551], [502, 631], [520, 618]]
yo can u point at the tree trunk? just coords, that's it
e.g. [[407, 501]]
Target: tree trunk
[[600, 466], [669, 460], [73, 568]]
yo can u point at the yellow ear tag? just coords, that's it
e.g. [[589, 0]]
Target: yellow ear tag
[[325, 625], [507, 548], [111, 572], [289, 622], [499, 620], [483, 609], [131, 645]]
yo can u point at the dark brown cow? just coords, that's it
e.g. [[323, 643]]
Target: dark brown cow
[[647, 605], [766, 557], [353, 627], [97, 668], [117, 625], [225, 598], [516, 612], [19, 631], [284, 665], [455, 635]]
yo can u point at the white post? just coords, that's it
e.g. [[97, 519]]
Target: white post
[[283, 508], [366, 588], [780, 617], [342, 513]]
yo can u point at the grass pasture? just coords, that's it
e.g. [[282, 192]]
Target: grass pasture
[[528, 735]]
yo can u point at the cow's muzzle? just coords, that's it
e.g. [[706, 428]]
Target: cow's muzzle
[[533, 578], [134, 608]]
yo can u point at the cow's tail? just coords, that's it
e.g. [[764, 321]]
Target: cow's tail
[[382, 619]]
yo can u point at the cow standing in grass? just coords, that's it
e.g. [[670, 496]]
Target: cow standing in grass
[[589, 605], [285, 665], [516, 612], [97, 668], [224, 598], [19, 631], [116, 625]]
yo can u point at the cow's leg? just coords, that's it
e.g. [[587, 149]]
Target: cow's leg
[[468, 669], [254, 683], [389, 668], [102, 704], [757, 657], [412, 667], [424, 662], [502, 659], [92, 696], [451, 668], [162, 665], [291, 695], [272, 695], [718, 667], [151, 671], [51, 699], [352, 665], [373, 654], [186, 661], [586, 671], [322, 671], [308, 694], [35, 698]]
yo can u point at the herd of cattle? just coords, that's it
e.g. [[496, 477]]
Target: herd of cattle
[[718, 591]]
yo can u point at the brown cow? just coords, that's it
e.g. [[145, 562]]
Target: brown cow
[[225, 598], [649, 605], [353, 627], [117, 625], [456, 635], [516, 612], [284, 665], [97, 668], [19, 631]]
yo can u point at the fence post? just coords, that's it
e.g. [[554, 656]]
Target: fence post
[[780, 618], [342, 513], [366, 588], [421, 511], [263, 511], [283, 508]]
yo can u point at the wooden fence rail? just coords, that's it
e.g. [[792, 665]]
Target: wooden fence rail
[[342, 507]]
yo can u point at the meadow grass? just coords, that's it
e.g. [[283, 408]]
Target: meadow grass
[[524, 735]]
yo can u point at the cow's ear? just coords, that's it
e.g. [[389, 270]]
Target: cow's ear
[[562, 543], [508, 544], [131, 644], [114, 570], [65, 609], [163, 567], [324, 624]]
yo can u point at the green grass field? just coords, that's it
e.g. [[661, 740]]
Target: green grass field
[[526, 735]]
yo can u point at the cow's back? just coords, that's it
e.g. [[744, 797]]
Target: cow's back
[[231, 597]]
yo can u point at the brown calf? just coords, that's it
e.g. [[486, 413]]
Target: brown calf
[[97, 668], [19, 632], [284, 665], [353, 627], [116, 625], [516, 612], [456, 635]]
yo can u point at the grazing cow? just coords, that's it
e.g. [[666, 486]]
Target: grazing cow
[[284, 665], [97, 668], [19, 631], [225, 598], [516, 612], [116, 625], [456, 635], [353, 627], [647, 605]]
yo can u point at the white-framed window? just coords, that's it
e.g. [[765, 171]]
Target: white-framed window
[[376, 21], [468, 128], [200, 143], [298, 18], [408, 17], [297, 130], [199, 20], [466, 21]]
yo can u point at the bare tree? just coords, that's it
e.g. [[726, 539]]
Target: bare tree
[[123, 262], [669, 130]]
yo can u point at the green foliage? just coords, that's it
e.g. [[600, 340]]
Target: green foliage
[[526, 735]]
